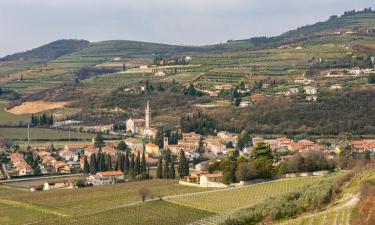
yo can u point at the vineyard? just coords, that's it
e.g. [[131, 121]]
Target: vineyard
[[232, 199]]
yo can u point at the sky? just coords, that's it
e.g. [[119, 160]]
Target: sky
[[26, 24]]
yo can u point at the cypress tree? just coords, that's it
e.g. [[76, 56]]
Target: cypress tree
[[143, 164], [86, 167], [132, 165], [159, 172], [186, 168], [181, 164], [93, 165], [166, 169], [137, 164], [109, 163], [126, 162], [121, 162], [172, 173]]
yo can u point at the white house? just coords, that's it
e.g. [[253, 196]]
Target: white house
[[159, 74], [110, 177], [355, 71], [310, 90]]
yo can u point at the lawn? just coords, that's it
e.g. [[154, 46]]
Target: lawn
[[232, 199]]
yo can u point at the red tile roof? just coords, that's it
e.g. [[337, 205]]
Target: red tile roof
[[110, 173]]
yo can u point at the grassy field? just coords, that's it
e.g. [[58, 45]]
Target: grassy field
[[229, 200], [9, 118], [41, 134]]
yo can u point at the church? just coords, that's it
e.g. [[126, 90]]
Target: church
[[141, 126]]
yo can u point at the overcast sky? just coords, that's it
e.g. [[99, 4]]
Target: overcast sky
[[25, 24]]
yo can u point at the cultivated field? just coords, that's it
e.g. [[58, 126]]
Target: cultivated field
[[35, 107], [232, 199]]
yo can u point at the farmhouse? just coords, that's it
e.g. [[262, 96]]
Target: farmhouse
[[211, 180], [336, 87], [110, 177], [134, 143], [364, 145]]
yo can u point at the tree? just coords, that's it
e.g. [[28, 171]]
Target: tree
[[143, 163], [99, 141], [159, 171], [245, 172], [144, 193], [1, 91], [263, 167], [108, 162], [93, 164], [367, 156], [166, 169], [86, 167], [159, 138], [137, 164], [181, 164], [132, 166], [126, 162], [371, 79], [262, 150], [122, 146], [171, 172]]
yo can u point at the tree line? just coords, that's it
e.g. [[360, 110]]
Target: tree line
[[42, 120], [166, 166]]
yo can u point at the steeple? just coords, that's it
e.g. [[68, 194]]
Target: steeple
[[148, 115]]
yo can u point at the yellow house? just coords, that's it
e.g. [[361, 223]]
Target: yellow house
[[152, 149]]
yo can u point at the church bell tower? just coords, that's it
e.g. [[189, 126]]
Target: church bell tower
[[148, 115]]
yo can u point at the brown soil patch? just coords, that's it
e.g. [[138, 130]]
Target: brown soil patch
[[36, 106]]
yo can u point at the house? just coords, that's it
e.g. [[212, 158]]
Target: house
[[68, 155], [223, 87], [364, 145], [355, 71], [310, 90], [152, 149], [143, 67], [159, 74], [134, 143], [58, 184], [109, 149], [311, 98], [244, 104], [336, 87], [61, 167], [21, 166], [110, 177], [214, 146], [303, 81], [227, 137], [292, 91], [211, 180], [257, 97]]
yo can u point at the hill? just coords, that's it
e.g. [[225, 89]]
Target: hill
[[49, 51]]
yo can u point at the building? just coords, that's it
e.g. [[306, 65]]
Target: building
[[203, 166], [364, 145], [135, 125], [336, 87], [312, 98], [152, 149], [20, 165], [61, 167], [214, 146], [310, 90], [159, 74], [134, 143], [110, 177], [257, 97], [68, 155], [355, 71], [303, 81], [209, 180], [141, 126]]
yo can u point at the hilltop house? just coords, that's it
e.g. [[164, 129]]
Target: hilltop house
[[310, 90], [110, 177]]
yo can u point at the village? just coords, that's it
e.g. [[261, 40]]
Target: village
[[199, 153]]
